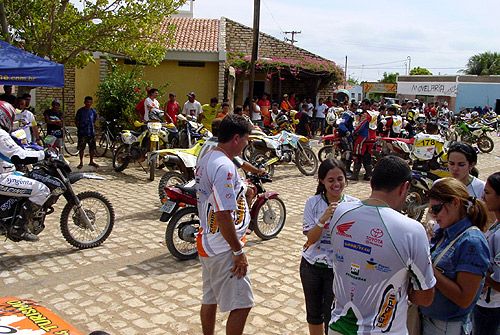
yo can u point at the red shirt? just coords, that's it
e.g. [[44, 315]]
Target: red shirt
[[173, 109]]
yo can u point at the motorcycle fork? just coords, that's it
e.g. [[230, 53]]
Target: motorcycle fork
[[70, 195]]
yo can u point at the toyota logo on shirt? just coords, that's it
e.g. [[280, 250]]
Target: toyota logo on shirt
[[377, 232]]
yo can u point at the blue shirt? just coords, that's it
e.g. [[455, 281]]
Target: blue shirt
[[85, 119], [469, 254]]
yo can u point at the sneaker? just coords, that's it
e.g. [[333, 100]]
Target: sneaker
[[29, 237]]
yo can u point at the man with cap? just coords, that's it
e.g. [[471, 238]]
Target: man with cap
[[192, 106], [285, 104]]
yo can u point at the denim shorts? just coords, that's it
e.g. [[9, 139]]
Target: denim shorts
[[439, 327]]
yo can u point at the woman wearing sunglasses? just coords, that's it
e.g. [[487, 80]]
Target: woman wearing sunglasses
[[487, 312], [460, 257], [462, 160]]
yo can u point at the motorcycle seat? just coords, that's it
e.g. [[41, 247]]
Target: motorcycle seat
[[191, 190], [404, 140]]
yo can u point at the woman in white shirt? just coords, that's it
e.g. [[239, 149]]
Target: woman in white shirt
[[316, 271], [462, 160]]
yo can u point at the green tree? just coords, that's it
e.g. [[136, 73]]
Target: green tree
[[389, 78], [352, 81], [483, 64], [420, 71], [69, 31]]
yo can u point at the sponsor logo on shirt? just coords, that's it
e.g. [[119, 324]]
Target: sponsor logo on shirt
[[229, 176], [339, 257], [357, 247], [387, 309], [354, 273], [375, 237], [343, 228], [372, 265]]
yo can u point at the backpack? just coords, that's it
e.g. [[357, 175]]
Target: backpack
[[139, 108]]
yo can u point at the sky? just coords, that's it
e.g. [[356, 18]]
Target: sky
[[376, 36]]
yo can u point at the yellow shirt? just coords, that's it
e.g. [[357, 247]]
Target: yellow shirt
[[209, 114]]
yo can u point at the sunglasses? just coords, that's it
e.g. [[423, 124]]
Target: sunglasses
[[435, 209]]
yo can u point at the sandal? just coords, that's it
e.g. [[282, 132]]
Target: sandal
[[79, 166], [94, 164]]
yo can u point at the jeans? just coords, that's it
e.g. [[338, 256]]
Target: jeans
[[438, 327], [486, 321]]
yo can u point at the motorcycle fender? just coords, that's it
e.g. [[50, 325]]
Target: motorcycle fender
[[165, 216], [154, 138], [419, 182], [76, 176], [259, 202]]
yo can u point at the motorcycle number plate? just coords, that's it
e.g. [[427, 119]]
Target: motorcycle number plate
[[168, 207], [154, 138]]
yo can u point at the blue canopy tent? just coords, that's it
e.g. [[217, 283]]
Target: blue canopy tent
[[21, 68]]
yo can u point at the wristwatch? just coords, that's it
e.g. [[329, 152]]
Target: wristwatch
[[238, 253]]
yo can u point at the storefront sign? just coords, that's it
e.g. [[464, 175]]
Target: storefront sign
[[370, 87], [446, 89]]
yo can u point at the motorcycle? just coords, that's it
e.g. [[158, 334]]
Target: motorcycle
[[332, 147], [80, 223], [384, 146], [267, 216], [285, 148], [137, 145], [475, 133], [190, 130]]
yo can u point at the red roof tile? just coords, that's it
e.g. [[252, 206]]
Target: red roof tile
[[199, 35]]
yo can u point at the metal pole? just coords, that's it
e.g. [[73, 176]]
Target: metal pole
[[409, 64], [255, 48], [345, 72]]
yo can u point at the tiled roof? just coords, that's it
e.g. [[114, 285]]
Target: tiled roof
[[198, 35]]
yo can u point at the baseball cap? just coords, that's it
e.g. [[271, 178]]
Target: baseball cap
[[191, 95], [285, 95]]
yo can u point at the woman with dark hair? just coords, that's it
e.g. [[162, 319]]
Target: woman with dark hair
[[460, 257], [487, 312], [316, 271], [462, 160]]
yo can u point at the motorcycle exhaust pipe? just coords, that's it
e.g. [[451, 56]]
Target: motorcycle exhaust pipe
[[171, 160]]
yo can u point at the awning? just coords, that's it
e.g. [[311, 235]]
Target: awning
[[19, 67]]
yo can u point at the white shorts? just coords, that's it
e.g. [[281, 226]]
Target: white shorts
[[221, 287], [16, 185]]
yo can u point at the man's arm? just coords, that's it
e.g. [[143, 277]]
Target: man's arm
[[422, 297]]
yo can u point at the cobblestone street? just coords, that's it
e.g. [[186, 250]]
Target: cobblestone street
[[132, 285]]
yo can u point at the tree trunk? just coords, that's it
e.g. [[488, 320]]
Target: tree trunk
[[3, 23]]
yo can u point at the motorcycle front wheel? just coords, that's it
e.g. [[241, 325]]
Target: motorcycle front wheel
[[247, 152], [415, 204], [181, 232], [328, 151], [100, 213], [121, 158], [170, 178], [271, 219], [485, 144], [306, 161]]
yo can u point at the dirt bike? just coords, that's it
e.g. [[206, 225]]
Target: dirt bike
[[137, 145], [267, 216], [476, 133], [285, 148], [86, 220], [189, 130], [384, 146]]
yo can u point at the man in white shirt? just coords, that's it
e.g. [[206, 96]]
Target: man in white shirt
[[192, 106], [152, 111], [382, 258], [320, 117]]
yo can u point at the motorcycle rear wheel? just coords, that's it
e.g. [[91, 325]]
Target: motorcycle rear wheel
[[248, 151], [301, 162], [271, 219], [328, 151], [485, 144], [415, 202], [121, 158], [170, 178], [259, 158], [180, 235], [72, 227]]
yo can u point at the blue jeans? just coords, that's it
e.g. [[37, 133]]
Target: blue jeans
[[486, 321], [438, 327]]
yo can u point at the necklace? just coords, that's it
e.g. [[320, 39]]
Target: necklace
[[382, 202], [222, 150]]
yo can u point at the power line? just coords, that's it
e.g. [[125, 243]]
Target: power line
[[272, 16]]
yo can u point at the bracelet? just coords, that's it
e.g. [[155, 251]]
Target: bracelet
[[321, 225], [238, 253]]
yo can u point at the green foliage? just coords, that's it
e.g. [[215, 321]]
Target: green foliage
[[69, 31], [119, 93], [389, 78], [420, 71], [483, 64], [353, 81]]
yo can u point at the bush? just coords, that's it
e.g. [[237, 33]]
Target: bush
[[119, 93]]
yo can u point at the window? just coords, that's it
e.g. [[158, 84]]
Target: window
[[191, 64]]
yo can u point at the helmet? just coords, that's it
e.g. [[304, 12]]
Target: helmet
[[475, 114], [282, 119], [7, 116]]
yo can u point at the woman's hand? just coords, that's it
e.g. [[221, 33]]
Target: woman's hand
[[327, 215]]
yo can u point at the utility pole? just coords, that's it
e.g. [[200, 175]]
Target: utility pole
[[293, 33], [409, 64], [345, 72], [255, 48]]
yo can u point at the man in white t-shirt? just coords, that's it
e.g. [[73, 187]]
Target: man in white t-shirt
[[320, 117], [382, 258], [192, 106], [224, 217], [152, 111], [27, 122]]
